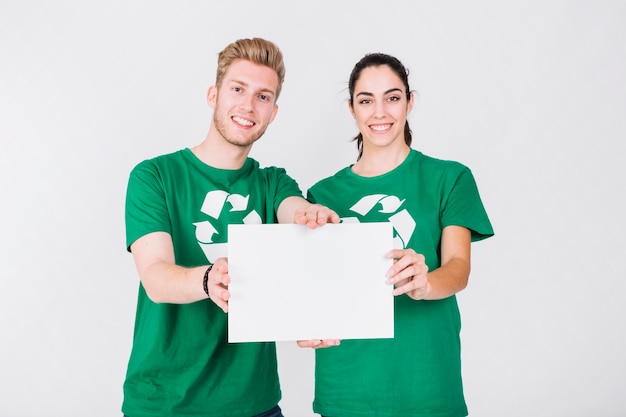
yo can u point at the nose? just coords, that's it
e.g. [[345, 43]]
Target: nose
[[379, 109], [247, 103]]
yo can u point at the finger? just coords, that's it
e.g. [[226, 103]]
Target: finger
[[326, 215], [315, 221], [416, 289], [402, 282], [219, 293], [318, 343], [312, 217], [220, 303], [219, 274], [309, 343], [395, 253], [223, 294], [409, 264], [410, 287], [400, 258], [220, 296], [222, 279], [300, 216], [403, 289], [222, 266], [329, 343], [396, 275], [318, 215], [322, 218], [330, 215], [405, 256]]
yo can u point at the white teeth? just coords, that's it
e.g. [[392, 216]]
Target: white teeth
[[380, 127], [243, 122]]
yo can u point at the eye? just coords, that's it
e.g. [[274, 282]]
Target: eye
[[237, 89], [264, 97], [365, 101], [394, 98]]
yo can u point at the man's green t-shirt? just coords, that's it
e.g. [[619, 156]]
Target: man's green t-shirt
[[181, 363]]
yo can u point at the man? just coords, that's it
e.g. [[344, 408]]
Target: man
[[178, 207]]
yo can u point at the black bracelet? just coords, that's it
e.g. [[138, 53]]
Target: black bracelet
[[205, 282]]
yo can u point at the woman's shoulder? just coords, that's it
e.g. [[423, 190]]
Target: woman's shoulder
[[436, 163], [332, 179]]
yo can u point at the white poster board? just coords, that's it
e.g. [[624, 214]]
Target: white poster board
[[289, 282]]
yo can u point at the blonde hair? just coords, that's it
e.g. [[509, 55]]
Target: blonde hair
[[256, 50]]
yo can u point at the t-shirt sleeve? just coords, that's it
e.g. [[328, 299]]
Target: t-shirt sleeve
[[310, 197], [463, 207], [146, 206], [284, 187]]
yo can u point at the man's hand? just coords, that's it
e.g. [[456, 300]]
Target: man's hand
[[218, 284], [318, 343], [300, 211], [315, 215]]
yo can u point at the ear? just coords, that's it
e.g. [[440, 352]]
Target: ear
[[211, 96], [409, 105], [351, 108], [273, 113]]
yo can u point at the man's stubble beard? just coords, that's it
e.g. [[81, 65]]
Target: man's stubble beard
[[220, 127]]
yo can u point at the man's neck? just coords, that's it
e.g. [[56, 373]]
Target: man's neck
[[217, 152]]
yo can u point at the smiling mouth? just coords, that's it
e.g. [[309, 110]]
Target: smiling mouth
[[381, 127], [243, 122]]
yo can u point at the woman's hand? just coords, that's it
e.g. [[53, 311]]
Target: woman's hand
[[409, 274]]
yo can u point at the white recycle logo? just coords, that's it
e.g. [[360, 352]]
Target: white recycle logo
[[402, 221], [212, 206]]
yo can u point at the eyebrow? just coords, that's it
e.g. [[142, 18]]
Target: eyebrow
[[245, 84], [392, 90]]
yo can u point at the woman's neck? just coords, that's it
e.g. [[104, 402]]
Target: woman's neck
[[380, 161]]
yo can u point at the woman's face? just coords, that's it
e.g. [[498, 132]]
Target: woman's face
[[380, 107]]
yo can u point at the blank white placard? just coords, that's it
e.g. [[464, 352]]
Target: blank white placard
[[289, 282]]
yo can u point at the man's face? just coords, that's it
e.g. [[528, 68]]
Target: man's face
[[245, 103]]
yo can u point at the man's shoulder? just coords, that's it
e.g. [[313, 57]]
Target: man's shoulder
[[171, 157], [151, 163], [268, 170]]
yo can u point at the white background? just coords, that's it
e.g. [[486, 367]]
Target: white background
[[530, 94]]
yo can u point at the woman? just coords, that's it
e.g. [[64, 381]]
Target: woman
[[436, 212]]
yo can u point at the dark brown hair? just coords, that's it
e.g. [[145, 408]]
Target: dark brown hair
[[376, 60]]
